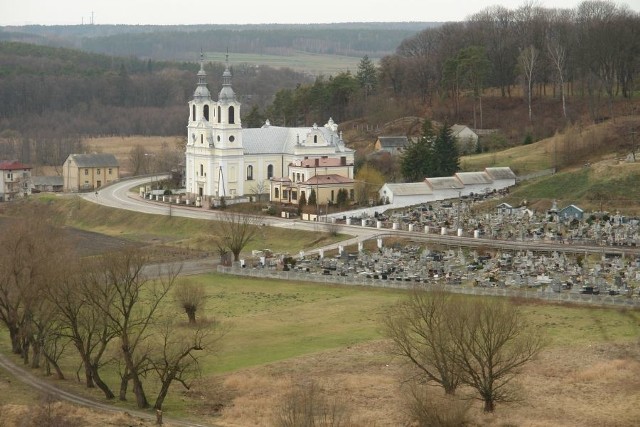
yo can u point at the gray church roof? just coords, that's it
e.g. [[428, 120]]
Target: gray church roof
[[283, 140]]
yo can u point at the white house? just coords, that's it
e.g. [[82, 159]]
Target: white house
[[15, 180], [406, 194], [449, 187], [225, 160], [466, 138]]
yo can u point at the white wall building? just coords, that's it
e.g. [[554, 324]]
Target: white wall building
[[225, 160]]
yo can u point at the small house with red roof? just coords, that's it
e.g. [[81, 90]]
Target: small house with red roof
[[15, 181]]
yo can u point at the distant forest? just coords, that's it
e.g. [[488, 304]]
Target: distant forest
[[562, 65], [183, 42]]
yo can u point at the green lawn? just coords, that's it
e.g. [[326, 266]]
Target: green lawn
[[271, 320]]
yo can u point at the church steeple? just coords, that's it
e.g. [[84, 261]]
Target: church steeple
[[202, 91], [226, 93]]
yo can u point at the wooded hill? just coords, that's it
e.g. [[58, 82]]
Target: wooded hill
[[183, 42]]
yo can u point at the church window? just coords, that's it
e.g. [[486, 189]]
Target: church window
[[276, 193], [269, 171], [249, 173], [201, 139], [315, 139], [206, 112], [98, 171], [201, 170], [193, 113], [232, 138], [332, 195], [219, 113], [86, 171], [232, 118], [218, 138], [303, 194], [294, 195], [110, 171]]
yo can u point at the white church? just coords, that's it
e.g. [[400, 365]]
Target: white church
[[225, 160]]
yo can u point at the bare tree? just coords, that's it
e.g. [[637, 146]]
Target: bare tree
[[419, 331], [234, 231], [176, 355], [259, 189], [527, 60], [492, 341], [139, 159], [190, 297], [83, 319], [133, 301], [306, 405], [481, 343]]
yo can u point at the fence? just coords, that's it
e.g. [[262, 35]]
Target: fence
[[572, 298]]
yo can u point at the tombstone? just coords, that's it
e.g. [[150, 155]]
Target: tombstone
[[396, 226], [198, 202], [321, 253], [426, 229], [242, 264], [443, 231], [378, 224], [410, 227], [348, 221], [340, 249], [459, 232], [476, 234], [263, 261], [379, 241], [141, 192], [364, 222], [301, 254], [179, 199], [360, 246]]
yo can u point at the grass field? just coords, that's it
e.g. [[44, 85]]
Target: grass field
[[175, 232], [313, 64], [284, 333]]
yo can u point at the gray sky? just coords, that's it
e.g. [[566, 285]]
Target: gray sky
[[170, 12]]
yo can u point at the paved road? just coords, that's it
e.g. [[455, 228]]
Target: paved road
[[118, 196]]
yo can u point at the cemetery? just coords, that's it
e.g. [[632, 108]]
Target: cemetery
[[403, 261]]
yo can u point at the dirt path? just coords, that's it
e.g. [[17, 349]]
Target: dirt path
[[58, 393]]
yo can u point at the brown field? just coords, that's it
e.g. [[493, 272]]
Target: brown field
[[121, 146]]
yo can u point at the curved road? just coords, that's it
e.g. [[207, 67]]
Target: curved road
[[118, 196]]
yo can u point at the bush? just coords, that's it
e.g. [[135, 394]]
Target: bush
[[305, 405], [428, 409]]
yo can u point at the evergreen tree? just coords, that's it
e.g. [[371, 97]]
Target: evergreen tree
[[302, 202], [367, 75], [312, 198], [253, 119], [417, 161], [446, 160], [343, 196]]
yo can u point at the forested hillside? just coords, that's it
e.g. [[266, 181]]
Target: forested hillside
[[52, 97], [183, 42], [528, 72]]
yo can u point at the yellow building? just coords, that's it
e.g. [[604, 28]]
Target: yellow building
[[88, 172]]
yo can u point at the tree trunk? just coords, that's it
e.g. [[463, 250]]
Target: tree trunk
[[489, 405], [16, 343], [124, 383], [162, 393], [191, 314], [101, 384], [51, 362]]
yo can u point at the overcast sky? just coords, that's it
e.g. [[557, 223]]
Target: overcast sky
[[171, 12]]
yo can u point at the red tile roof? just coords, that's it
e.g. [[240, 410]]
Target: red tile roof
[[13, 165]]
